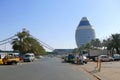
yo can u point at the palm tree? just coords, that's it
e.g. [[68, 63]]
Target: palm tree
[[25, 43], [113, 43], [95, 43], [104, 43], [19, 43], [116, 42], [34, 46], [88, 46]]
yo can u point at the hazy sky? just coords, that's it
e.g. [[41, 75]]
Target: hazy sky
[[55, 21]]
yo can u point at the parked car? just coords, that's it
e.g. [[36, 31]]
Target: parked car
[[116, 57], [65, 58], [111, 58], [2, 55], [9, 58], [69, 58], [104, 58], [28, 57]]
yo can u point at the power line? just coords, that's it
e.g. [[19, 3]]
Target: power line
[[44, 44], [5, 42], [7, 39]]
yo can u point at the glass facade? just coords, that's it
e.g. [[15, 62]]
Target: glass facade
[[84, 33], [84, 23]]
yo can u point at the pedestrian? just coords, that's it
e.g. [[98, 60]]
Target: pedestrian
[[81, 59]]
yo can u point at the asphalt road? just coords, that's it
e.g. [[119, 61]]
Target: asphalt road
[[43, 69]]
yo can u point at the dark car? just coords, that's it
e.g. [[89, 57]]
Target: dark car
[[70, 58]]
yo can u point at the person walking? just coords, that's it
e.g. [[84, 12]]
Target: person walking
[[81, 59]]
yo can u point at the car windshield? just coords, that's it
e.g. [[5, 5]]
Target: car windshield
[[27, 55]]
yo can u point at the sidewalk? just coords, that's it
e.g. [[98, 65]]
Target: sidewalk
[[109, 70]]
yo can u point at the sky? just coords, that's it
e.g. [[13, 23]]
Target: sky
[[54, 21]]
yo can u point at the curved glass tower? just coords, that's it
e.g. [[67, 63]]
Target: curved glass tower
[[84, 32]]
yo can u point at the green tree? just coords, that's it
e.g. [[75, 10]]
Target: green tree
[[75, 50], [114, 43], [34, 46], [104, 43], [88, 46], [96, 43], [18, 43], [25, 43]]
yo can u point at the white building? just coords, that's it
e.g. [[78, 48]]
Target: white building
[[84, 32]]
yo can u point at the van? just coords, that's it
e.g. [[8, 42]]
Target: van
[[28, 57]]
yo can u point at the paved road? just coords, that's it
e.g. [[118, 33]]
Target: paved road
[[43, 69]]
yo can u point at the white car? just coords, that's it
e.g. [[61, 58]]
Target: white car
[[104, 58], [116, 57], [28, 57]]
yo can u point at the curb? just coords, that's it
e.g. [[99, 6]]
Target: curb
[[98, 78]]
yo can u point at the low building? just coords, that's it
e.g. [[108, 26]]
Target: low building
[[62, 51]]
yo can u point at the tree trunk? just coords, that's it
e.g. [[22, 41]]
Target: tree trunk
[[117, 49]]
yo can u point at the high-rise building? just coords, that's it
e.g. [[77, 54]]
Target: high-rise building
[[84, 32]]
